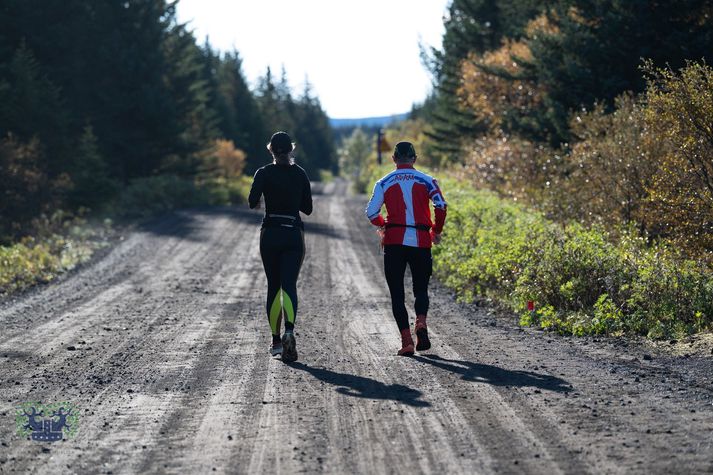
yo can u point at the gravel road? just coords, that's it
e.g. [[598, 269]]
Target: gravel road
[[162, 345]]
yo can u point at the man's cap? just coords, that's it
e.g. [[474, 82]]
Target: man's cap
[[404, 150], [280, 142]]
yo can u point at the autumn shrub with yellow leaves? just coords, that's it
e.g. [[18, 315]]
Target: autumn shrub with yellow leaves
[[649, 162], [611, 164], [679, 113], [492, 85], [645, 162]]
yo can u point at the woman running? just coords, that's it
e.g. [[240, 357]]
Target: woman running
[[287, 191]]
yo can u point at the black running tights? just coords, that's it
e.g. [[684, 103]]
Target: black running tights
[[282, 250], [419, 259]]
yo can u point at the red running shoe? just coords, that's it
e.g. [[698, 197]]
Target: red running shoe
[[406, 343], [422, 341]]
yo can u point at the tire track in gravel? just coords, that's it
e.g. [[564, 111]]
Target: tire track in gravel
[[370, 341], [544, 386], [153, 318], [64, 296], [172, 374], [497, 431]]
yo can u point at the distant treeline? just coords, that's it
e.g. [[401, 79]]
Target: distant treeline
[[95, 94], [598, 111]]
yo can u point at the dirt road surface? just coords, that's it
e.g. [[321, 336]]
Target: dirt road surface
[[170, 370]]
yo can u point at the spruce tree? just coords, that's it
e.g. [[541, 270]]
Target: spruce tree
[[598, 49], [195, 121], [274, 103], [314, 135], [242, 121], [471, 26], [91, 180], [32, 107]]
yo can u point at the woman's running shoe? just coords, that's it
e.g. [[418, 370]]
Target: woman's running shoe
[[289, 348], [276, 348]]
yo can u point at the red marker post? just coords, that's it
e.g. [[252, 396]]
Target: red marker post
[[531, 308]]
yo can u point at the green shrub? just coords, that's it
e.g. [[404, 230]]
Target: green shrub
[[62, 242], [226, 191], [583, 280], [485, 244], [570, 268], [326, 176], [148, 196]]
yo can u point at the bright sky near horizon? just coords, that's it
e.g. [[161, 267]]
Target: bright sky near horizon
[[362, 57]]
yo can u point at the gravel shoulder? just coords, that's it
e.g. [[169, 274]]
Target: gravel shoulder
[[162, 344]]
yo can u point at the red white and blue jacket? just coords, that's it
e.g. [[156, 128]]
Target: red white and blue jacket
[[406, 192]]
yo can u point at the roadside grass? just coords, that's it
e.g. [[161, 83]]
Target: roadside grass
[[63, 241], [581, 280], [149, 196], [326, 176]]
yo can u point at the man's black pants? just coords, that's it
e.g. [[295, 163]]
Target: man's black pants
[[419, 260]]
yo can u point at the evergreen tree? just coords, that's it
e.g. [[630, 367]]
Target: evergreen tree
[[242, 121], [32, 107], [314, 135], [274, 101], [156, 102], [597, 50], [188, 94], [284, 95], [92, 184], [26, 189], [471, 26]]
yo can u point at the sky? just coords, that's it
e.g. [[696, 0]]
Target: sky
[[362, 57]]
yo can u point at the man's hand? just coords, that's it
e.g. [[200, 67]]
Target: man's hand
[[435, 238]]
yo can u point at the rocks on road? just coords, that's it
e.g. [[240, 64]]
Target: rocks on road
[[162, 345]]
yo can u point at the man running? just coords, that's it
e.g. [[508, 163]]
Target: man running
[[287, 191], [406, 238]]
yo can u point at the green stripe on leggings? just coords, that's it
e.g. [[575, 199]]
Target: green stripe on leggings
[[275, 310], [289, 309]]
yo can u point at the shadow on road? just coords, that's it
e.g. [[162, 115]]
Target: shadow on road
[[483, 373], [324, 230], [360, 386], [187, 223]]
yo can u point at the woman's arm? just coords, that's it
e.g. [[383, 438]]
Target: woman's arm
[[256, 190], [306, 204]]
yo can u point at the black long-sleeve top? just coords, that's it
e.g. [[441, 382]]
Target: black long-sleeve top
[[286, 189]]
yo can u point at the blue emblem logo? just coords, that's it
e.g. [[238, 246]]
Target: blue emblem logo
[[47, 422]]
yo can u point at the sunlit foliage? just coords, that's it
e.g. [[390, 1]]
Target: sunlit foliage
[[492, 87], [610, 164], [580, 279], [680, 115]]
